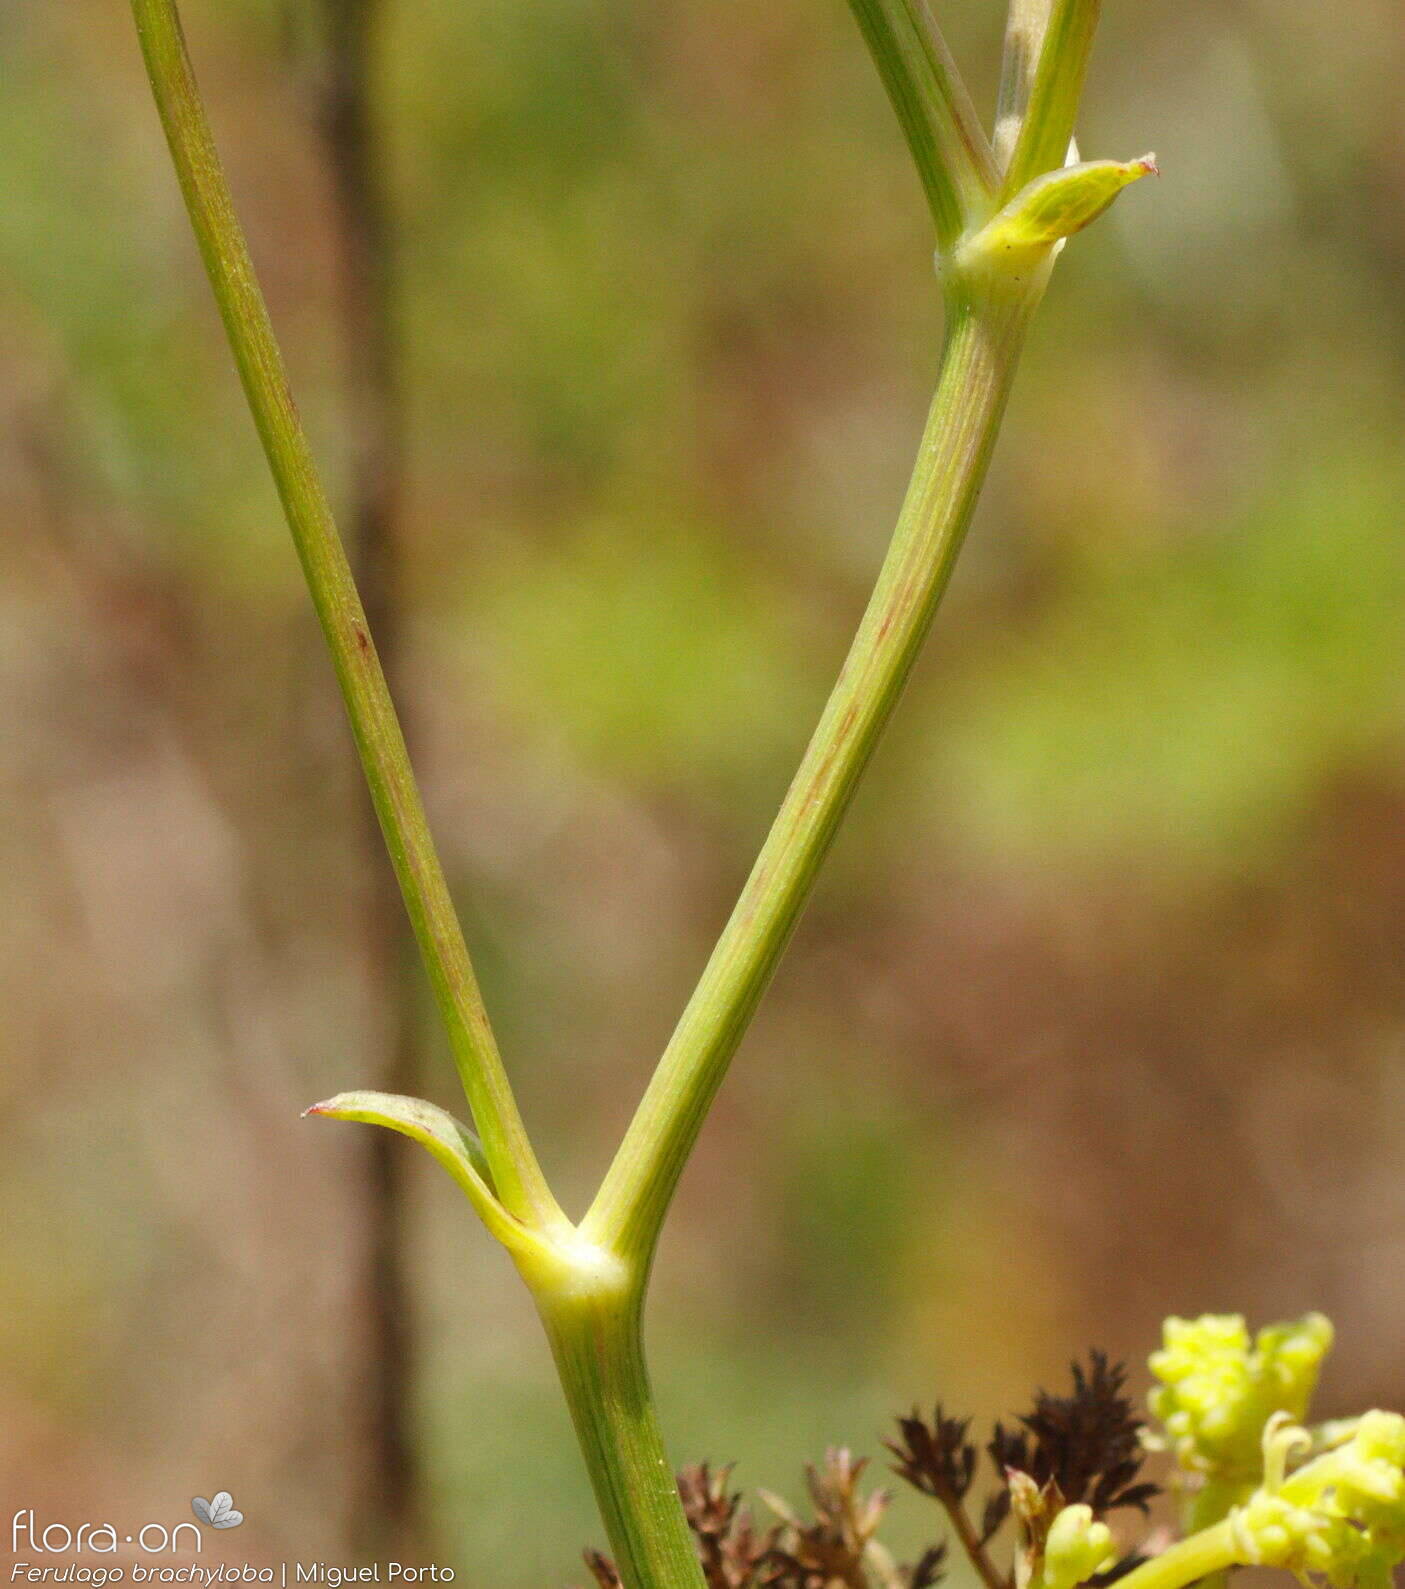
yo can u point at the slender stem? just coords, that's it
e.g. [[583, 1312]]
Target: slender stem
[[970, 1542], [379, 741], [978, 365], [1054, 94], [949, 147], [1024, 36], [1187, 1562], [596, 1340]]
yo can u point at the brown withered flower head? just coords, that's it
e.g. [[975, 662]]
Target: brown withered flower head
[[1086, 1445], [838, 1547], [935, 1458]]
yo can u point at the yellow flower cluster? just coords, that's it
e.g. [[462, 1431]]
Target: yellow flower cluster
[[1341, 1516], [1218, 1389]]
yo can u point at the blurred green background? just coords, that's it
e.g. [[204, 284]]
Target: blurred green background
[[1099, 1012]]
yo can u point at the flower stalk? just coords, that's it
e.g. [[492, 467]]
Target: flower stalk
[[998, 236]]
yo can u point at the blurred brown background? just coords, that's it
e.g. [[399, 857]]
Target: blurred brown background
[[1099, 1011]]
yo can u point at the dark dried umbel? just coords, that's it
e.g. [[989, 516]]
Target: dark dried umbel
[[1087, 1445], [940, 1461], [935, 1458]]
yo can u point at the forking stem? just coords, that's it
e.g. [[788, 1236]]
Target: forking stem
[[589, 1283]]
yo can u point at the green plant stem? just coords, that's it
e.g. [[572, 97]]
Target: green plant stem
[[596, 1340], [1054, 93], [985, 332], [949, 147], [1187, 1562], [379, 741]]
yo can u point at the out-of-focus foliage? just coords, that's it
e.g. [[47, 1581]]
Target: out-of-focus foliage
[[1098, 1015]]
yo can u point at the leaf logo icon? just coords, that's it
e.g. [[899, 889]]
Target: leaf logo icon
[[218, 1511]]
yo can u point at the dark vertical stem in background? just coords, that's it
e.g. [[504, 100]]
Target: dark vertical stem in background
[[393, 1513]]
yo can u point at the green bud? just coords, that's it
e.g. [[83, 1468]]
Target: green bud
[[1218, 1390], [1077, 1548]]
